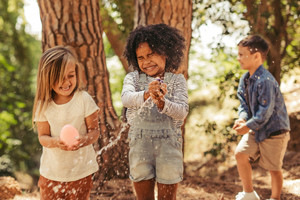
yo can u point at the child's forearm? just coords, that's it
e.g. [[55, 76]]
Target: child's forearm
[[132, 99], [90, 138], [48, 141], [176, 110]]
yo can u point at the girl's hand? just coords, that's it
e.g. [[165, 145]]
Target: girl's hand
[[62, 145], [81, 141], [157, 90]]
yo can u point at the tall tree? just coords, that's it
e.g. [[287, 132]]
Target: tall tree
[[273, 19], [77, 24], [276, 20], [175, 13]]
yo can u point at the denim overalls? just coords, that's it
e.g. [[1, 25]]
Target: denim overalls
[[155, 144]]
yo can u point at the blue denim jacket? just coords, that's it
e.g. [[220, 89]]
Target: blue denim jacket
[[268, 111]]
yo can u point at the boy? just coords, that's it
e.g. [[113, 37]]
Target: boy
[[263, 119]]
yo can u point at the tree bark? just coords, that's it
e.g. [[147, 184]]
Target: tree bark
[[175, 13], [77, 24]]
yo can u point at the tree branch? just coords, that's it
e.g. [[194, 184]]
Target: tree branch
[[114, 35]]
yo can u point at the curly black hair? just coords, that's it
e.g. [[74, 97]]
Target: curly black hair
[[162, 39]]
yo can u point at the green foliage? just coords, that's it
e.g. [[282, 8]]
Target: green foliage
[[213, 106], [107, 47], [228, 76], [121, 12], [224, 137], [229, 17], [19, 54], [116, 77]]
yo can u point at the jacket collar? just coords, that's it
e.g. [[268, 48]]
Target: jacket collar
[[260, 70]]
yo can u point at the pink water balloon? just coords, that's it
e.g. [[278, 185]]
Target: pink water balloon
[[69, 135]]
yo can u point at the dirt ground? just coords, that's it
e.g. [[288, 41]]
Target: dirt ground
[[222, 186], [204, 182]]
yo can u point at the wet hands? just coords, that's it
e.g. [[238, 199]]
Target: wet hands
[[157, 91], [80, 141], [240, 127]]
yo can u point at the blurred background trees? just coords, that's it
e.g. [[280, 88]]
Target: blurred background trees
[[97, 30], [19, 54]]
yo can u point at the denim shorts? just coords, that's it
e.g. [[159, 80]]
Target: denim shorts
[[155, 154]]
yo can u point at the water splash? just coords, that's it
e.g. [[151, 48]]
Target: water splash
[[124, 126], [147, 104]]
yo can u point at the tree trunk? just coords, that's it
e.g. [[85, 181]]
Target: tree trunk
[[175, 13], [77, 24]]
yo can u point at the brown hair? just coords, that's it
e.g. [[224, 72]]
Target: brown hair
[[255, 43], [51, 70]]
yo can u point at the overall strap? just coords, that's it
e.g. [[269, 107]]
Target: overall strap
[[141, 83], [142, 78], [169, 79]]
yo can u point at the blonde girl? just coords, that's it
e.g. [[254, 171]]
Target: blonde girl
[[65, 171]]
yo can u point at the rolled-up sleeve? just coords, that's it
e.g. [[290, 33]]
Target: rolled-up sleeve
[[130, 97], [178, 108]]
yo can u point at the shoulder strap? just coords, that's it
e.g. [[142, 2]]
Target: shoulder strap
[[170, 79]]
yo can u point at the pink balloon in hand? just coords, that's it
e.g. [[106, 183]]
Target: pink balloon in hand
[[69, 135]]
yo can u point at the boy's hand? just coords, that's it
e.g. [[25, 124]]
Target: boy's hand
[[237, 123], [242, 129]]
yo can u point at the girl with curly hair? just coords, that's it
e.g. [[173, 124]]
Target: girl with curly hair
[[156, 99]]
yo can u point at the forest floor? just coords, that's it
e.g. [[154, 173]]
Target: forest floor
[[216, 187], [212, 186]]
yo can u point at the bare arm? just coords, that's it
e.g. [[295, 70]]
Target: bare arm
[[46, 139], [93, 131]]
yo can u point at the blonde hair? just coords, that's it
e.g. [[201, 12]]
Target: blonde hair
[[51, 70]]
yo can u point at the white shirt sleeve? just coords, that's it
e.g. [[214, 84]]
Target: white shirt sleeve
[[90, 105]]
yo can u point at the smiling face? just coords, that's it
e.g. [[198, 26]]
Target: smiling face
[[64, 89], [151, 63]]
